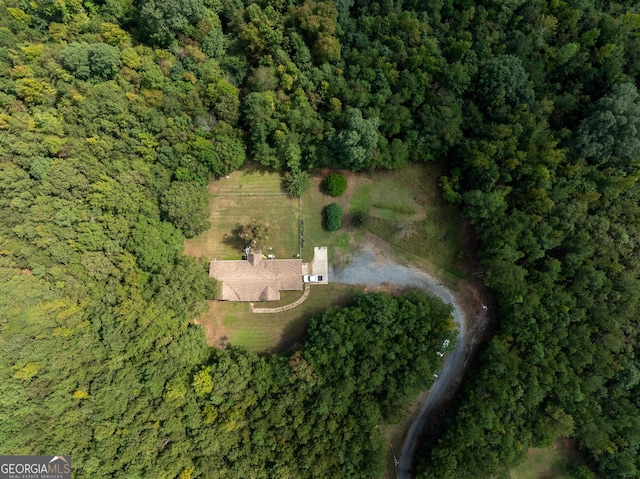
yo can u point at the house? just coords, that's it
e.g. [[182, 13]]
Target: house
[[255, 279]]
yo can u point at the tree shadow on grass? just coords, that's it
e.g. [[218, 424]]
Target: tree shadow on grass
[[253, 168], [292, 335], [233, 239]]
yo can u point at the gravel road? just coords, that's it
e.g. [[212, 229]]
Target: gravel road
[[367, 268]]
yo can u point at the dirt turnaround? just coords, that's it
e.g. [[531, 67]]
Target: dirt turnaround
[[379, 270]]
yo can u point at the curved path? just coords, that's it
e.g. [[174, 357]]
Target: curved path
[[366, 268], [286, 307]]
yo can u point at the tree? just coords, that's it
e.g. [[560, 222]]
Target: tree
[[356, 142], [611, 134], [104, 61], [155, 243], [214, 43], [297, 183], [318, 20], [34, 91], [96, 61], [75, 59], [185, 205], [225, 100], [222, 154], [504, 81], [333, 217], [231, 151], [582, 472], [164, 19], [335, 184], [484, 206], [57, 11], [256, 234]]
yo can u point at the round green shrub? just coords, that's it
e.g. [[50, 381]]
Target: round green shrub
[[335, 184], [333, 217]]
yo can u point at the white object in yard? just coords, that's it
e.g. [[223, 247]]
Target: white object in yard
[[271, 256]]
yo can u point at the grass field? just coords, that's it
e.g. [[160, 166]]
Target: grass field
[[270, 332], [407, 211], [542, 463], [246, 195], [554, 462], [313, 203]]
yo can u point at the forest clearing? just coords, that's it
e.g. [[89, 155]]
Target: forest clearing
[[491, 144], [383, 196]]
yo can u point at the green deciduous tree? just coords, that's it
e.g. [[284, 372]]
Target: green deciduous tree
[[230, 149], [318, 20], [354, 144], [155, 243], [255, 234], [611, 134], [163, 20], [104, 61], [504, 81], [582, 472], [97, 61], [185, 205]]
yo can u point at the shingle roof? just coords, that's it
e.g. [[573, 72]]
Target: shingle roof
[[256, 280]]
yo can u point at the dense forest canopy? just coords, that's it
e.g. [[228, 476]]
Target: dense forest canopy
[[116, 114]]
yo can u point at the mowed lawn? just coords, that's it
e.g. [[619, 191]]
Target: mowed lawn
[[233, 322], [313, 204], [554, 462], [248, 194]]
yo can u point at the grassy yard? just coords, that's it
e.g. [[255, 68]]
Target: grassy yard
[[269, 332], [246, 195], [254, 179], [313, 203], [405, 210], [553, 462]]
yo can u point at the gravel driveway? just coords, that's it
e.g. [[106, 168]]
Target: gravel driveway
[[368, 268]]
